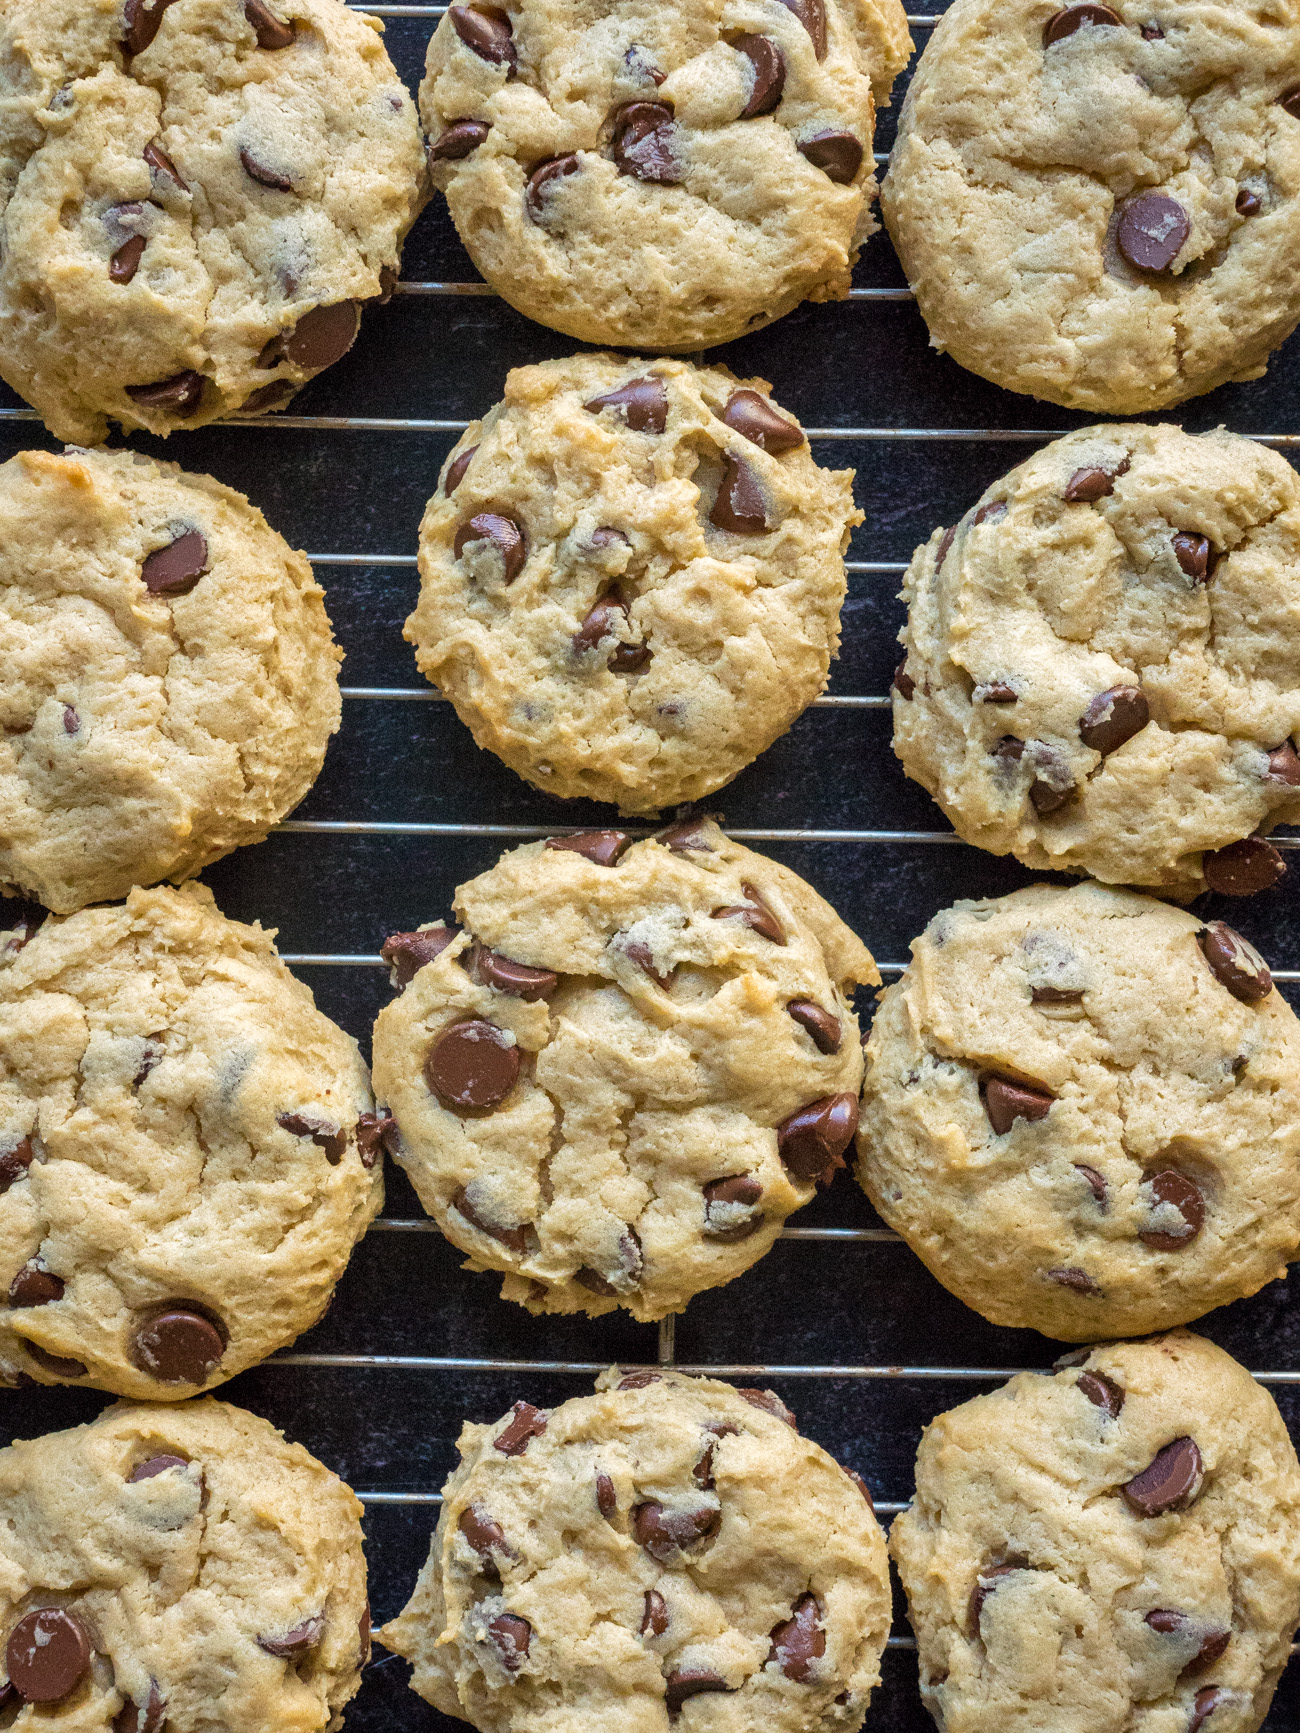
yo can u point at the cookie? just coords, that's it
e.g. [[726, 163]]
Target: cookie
[[1102, 669], [1114, 1546], [664, 1539], [1100, 204], [196, 198], [661, 178], [179, 1566], [188, 1152], [625, 1071], [631, 577], [1080, 1112], [168, 681]]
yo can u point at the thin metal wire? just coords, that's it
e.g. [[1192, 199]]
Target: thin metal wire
[[883, 567], [397, 827], [918, 20], [426, 695], [884, 1236]]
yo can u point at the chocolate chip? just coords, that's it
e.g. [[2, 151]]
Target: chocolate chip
[[264, 176], [640, 65], [601, 847], [1009, 750], [48, 1655], [456, 471], [1053, 782], [641, 403], [702, 1473], [602, 621], [1169, 1187], [768, 64], [862, 1487], [1243, 868], [325, 1135], [487, 31], [654, 1617], [177, 1346], [985, 1583], [161, 164], [1056, 995], [826, 1031], [751, 414], [1209, 1697], [1101, 1391], [691, 1681], [71, 721], [525, 1424], [153, 1466], [507, 976], [1005, 1101], [511, 1637], [643, 143], [1086, 486], [628, 1271], [663, 1533], [375, 1132], [181, 394], [459, 140], [945, 542], [515, 1239], [1290, 101], [722, 1198], [1113, 717], [177, 568], [639, 1380], [1235, 962], [272, 32], [1151, 231], [1169, 1482], [1196, 555], [686, 837], [543, 179], [770, 1403], [1248, 203], [1284, 765], [482, 1533], [903, 682], [277, 395], [1165, 1621], [143, 20], [472, 1067], [297, 1641], [800, 1640], [1095, 1182], [643, 957], [1212, 1647], [34, 1285], [837, 154], [323, 336], [995, 692], [606, 1497], [753, 913], [363, 1632], [126, 260], [407, 953], [503, 533], [1070, 1277], [812, 15], [146, 1717], [1152, 33], [740, 508], [812, 1141], [1065, 22]]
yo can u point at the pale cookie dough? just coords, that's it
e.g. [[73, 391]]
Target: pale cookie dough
[[1117, 1546], [1102, 669], [1081, 1112], [1100, 204], [187, 1155], [179, 1567], [628, 1069], [168, 680], [629, 600], [668, 1547], [661, 177], [190, 229]]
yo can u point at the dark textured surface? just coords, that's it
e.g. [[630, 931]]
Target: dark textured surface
[[866, 1304]]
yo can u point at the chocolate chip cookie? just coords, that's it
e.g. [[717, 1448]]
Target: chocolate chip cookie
[[178, 1566], [168, 680], [631, 577], [1114, 1546], [661, 178], [627, 1069], [1080, 1112], [197, 197], [1097, 204], [1102, 669], [187, 1151], [666, 1538]]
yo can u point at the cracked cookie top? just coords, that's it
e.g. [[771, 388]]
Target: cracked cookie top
[[1097, 204], [629, 1067], [1103, 660], [168, 680], [179, 1564], [187, 1155], [666, 1539], [661, 177], [196, 197], [1080, 1112]]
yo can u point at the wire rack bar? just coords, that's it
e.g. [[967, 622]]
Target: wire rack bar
[[883, 1506], [887, 568], [884, 1236], [426, 695], [918, 20], [451, 290]]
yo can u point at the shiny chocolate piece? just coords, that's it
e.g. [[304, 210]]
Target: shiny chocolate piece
[[606, 1497], [641, 403], [143, 20], [946, 540], [753, 913], [837, 154], [161, 164], [323, 336], [1114, 717], [903, 682], [525, 1424], [644, 143], [1087, 486], [1152, 230], [507, 976], [768, 64], [601, 847], [472, 1067], [1070, 1276], [1244, 868], [487, 32], [1209, 1697], [1284, 765], [1249, 203], [153, 1466], [1056, 995], [297, 1642], [654, 1617], [995, 692], [483, 1534], [514, 1239], [1235, 962], [639, 1380], [690, 1681], [751, 414], [323, 1133], [146, 1717], [740, 508], [1290, 101], [542, 180], [986, 1584], [47, 1655], [1101, 1391], [663, 1533], [722, 1198], [811, 1142], [826, 1030], [177, 568], [511, 1637], [1197, 555], [34, 1285], [1096, 1184], [264, 176], [177, 1346], [376, 1132], [799, 1640], [126, 260], [272, 32], [1170, 1481], [505, 535], [812, 15], [407, 953], [1070, 18], [628, 1272], [57, 1365], [181, 394], [686, 837], [770, 1403], [1170, 1187], [1006, 1100], [456, 471], [461, 139]]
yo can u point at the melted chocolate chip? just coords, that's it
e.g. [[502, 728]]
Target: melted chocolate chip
[[507, 976], [146, 1717], [654, 1618], [511, 1637], [363, 1632], [1212, 1646], [1009, 750], [1114, 717], [143, 20], [181, 394], [601, 847], [34, 1285], [153, 1466], [486, 30], [1070, 1277], [1196, 555], [57, 1365], [459, 140], [1169, 1187], [812, 15], [407, 953], [739, 508], [177, 568], [482, 1533], [641, 954], [515, 1239], [800, 1640], [1053, 783], [686, 837], [996, 692], [1101, 1391], [277, 395], [643, 143], [862, 1487], [903, 682], [472, 1067], [1065, 22], [1284, 765], [753, 913], [1087, 486], [1243, 868], [48, 1655], [375, 1133], [628, 1271], [1152, 230], [126, 260], [641, 403], [1152, 33], [542, 180], [323, 1133], [639, 1380], [770, 1403], [456, 471], [14, 1164], [690, 1681], [768, 64], [722, 1197], [1235, 962], [296, 1642], [525, 1424], [161, 164], [663, 1533], [503, 533], [991, 512], [177, 1346], [1165, 1620], [606, 1497], [272, 32], [986, 1583], [1290, 101], [1170, 1482], [1006, 1100], [812, 1141], [71, 721], [602, 621], [1056, 995], [264, 176], [1096, 1183], [825, 1030], [1249, 204], [751, 414], [945, 542], [1209, 1697], [323, 336], [837, 154]]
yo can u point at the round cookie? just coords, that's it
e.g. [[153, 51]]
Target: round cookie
[[661, 178], [1080, 1112], [197, 196], [1102, 668], [168, 680], [188, 1153], [631, 579], [179, 1565], [1100, 204], [1115, 1546], [665, 1539], [628, 1069]]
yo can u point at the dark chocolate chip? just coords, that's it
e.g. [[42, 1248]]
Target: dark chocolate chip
[[48, 1655], [602, 621], [456, 471], [375, 1133], [277, 395], [1053, 783], [643, 143], [639, 1380], [1152, 33], [812, 1141], [702, 1473], [543, 178], [1290, 101], [503, 533], [146, 1717], [629, 658], [57, 1365], [1056, 995], [812, 15], [177, 1346], [1249, 203], [272, 32], [663, 1533], [862, 1487], [1209, 1697], [1008, 749], [507, 976], [945, 542], [837, 154], [751, 414], [721, 1198], [628, 1271], [34, 1285], [1096, 1183], [1196, 555], [1243, 868], [177, 568], [996, 692], [1005, 1101], [143, 20], [459, 140], [654, 1617], [181, 394], [1165, 1620], [904, 684], [511, 1637], [768, 63], [1068, 1276], [71, 721], [1211, 1650], [800, 1640], [487, 31], [640, 65], [1113, 717], [153, 1466], [825, 1030], [606, 1497], [407, 953], [1284, 765], [363, 1632], [770, 1403], [323, 1133], [514, 1239], [991, 512], [264, 176], [126, 260], [482, 1533], [525, 1424], [739, 508], [686, 837], [1086, 486], [641, 954], [472, 1067], [1174, 1188], [161, 164], [1151, 231], [1170, 1481], [297, 1641], [1235, 962], [1065, 22], [985, 1584], [753, 913], [690, 1681], [323, 336], [1101, 1391], [601, 847], [641, 403]]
